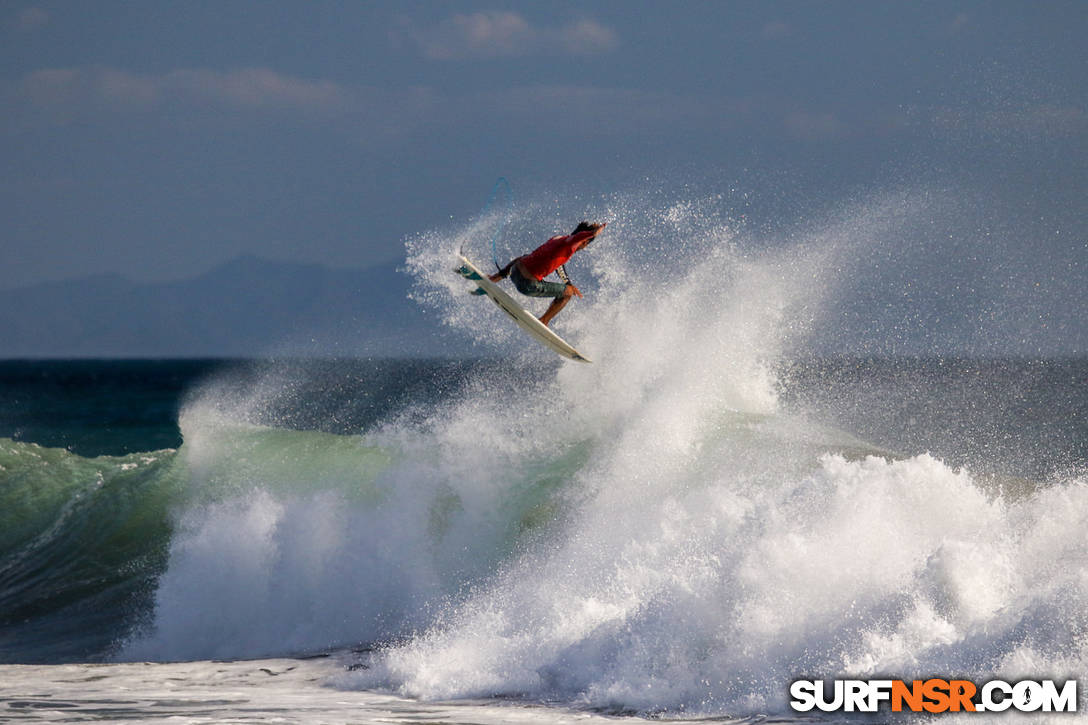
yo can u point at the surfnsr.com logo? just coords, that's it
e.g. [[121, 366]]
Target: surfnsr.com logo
[[933, 696]]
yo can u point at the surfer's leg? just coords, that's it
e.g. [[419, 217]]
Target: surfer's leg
[[557, 304], [538, 288]]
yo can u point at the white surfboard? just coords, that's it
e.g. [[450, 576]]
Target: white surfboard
[[523, 317]]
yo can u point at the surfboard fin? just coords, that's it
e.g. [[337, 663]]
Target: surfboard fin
[[467, 273]]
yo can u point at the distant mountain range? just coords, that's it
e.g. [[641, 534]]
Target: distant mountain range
[[248, 307]]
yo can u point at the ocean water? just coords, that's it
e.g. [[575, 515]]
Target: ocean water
[[710, 511], [526, 548]]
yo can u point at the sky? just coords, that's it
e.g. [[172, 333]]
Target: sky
[[156, 140]]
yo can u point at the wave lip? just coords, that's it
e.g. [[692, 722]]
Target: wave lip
[[82, 541]]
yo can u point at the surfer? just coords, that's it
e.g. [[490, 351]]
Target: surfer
[[528, 271]]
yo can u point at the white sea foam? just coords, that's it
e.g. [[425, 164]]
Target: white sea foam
[[650, 532], [713, 594]]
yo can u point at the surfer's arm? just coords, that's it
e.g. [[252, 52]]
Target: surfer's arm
[[505, 271]]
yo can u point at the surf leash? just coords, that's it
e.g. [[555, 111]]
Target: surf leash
[[500, 189], [502, 186]]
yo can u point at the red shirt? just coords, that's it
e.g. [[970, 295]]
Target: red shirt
[[546, 258]]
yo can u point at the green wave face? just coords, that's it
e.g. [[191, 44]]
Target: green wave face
[[96, 552], [82, 541]]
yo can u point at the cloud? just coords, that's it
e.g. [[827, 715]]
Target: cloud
[[69, 91], [477, 35], [502, 33], [104, 89], [62, 95], [31, 18], [589, 36], [374, 117], [258, 88], [383, 117]]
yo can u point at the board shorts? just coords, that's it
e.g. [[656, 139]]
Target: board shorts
[[536, 287]]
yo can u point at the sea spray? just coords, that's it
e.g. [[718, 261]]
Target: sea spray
[[658, 532], [713, 551]]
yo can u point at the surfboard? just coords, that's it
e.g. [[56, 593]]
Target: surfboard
[[525, 319]]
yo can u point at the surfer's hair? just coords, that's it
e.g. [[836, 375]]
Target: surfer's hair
[[586, 227]]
